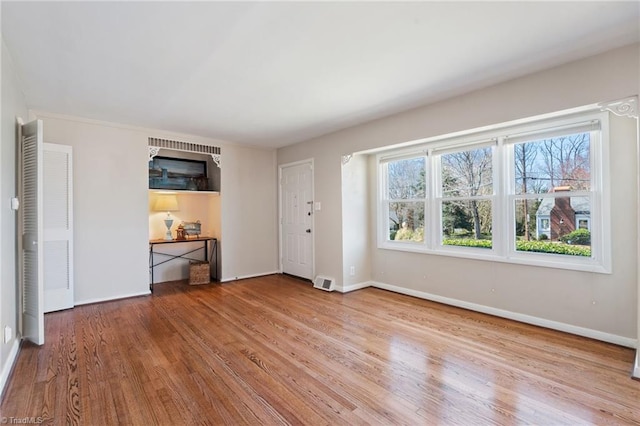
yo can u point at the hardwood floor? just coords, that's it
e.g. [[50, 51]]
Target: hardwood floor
[[273, 350]]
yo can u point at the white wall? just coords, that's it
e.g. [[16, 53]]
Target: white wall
[[13, 105], [249, 194], [550, 294], [356, 219], [110, 181], [111, 209]]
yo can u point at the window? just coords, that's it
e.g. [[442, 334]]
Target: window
[[552, 184], [583, 224], [404, 199], [466, 184], [531, 193]]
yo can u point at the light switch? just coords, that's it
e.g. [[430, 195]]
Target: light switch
[[318, 206], [15, 203]]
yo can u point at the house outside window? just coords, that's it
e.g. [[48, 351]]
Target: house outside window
[[532, 193]]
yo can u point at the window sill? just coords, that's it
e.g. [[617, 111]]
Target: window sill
[[573, 263]]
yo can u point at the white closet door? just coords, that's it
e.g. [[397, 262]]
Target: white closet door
[[31, 226], [58, 228]]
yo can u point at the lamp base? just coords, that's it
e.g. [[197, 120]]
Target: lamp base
[[168, 223]]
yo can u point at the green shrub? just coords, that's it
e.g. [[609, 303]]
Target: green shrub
[[543, 237], [581, 237], [467, 242], [418, 235], [556, 248], [403, 234], [533, 246]]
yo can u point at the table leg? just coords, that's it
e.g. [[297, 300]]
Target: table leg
[[214, 253], [151, 266]]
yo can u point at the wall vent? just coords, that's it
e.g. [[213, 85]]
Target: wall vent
[[183, 146], [324, 283], [156, 144]]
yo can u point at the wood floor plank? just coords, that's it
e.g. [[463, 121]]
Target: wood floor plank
[[273, 350]]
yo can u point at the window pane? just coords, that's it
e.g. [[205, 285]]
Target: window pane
[[554, 225], [466, 223], [560, 163], [467, 173], [406, 179], [406, 221]]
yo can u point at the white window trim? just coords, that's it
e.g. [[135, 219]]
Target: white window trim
[[503, 247]]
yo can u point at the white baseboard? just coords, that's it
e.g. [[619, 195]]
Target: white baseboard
[[244, 277], [353, 287], [109, 299], [555, 325], [636, 369], [8, 365]]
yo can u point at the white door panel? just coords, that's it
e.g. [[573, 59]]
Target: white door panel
[[297, 220], [58, 227]]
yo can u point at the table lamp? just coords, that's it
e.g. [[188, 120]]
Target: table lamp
[[167, 203]]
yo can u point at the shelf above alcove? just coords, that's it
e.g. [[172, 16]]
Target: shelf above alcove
[[183, 191]]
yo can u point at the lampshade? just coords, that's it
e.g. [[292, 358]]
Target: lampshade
[[166, 203]]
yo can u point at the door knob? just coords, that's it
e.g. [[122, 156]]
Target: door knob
[[308, 231]]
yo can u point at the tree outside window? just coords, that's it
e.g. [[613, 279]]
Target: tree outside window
[[467, 187]]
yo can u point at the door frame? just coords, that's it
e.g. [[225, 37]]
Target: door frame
[[19, 228], [310, 162]]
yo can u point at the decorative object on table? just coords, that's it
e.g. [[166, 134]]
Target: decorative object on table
[[199, 272], [177, 173], [192, 229], [180, 233], [167, 203]]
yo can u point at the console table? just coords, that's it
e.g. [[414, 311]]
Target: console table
[[209, 247]]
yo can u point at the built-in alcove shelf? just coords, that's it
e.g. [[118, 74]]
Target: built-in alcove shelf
[[192, 206]]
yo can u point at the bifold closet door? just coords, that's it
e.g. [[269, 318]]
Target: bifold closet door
[[58, 227], [31, 230]]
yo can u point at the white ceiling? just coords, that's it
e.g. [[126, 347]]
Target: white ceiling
[[273, 74]]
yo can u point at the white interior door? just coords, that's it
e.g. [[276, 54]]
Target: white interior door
[[31, 231], [296, 188], [58, 227]]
